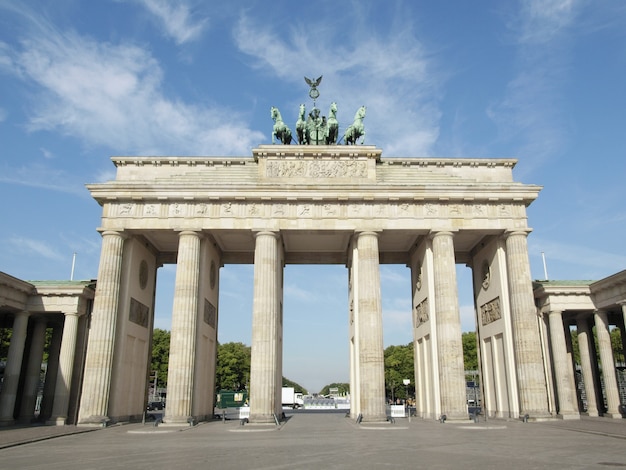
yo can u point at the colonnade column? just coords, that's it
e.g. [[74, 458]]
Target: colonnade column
[[448, 328], [530, 371], [33, 371], [180, 377], [13, 368], [99, 361], [584, 341], [562, 369], [265, 372], [370, 329], [51, 372], [608, 364], [66, 367]]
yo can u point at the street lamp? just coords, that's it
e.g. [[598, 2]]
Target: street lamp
[[406, 383]]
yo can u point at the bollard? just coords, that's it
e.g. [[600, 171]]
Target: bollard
[[442, 419], [525, 418]]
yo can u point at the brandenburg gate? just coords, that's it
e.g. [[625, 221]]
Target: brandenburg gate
[[308, 204]]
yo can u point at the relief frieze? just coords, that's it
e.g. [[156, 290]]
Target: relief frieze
[[316, 169], [421, 312], [490, 311], [357, 209], [139, 313]]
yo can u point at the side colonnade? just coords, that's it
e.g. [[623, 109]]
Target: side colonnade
[[31, 310]]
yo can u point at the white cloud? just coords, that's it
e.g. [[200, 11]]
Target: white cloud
[[528, 115], [177, 19], [110, 95], [42, 176], [591, 263], [543, 20], [35, 248], [393, 75]]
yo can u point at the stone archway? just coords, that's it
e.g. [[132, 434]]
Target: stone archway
[[313, 204]]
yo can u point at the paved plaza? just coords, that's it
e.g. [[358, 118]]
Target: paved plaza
[[321, 440]]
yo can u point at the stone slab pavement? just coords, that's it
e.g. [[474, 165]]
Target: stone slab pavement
[[321, 440]]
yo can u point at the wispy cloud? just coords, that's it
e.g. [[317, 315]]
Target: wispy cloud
[[391, 73], [37, 175], [35, 248], [591, 263], [110, 95], [528, 115], [177, 19]]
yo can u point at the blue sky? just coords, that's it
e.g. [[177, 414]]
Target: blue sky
[[540, 81]]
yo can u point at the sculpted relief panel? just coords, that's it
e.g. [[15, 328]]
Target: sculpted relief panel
[[316, 169], [316, 209]]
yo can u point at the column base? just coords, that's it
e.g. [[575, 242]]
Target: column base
[[4, 422], [262, 419], [568, 416], [58, 421], [612, 415], [374, 418], [178, 421], [94, 421]]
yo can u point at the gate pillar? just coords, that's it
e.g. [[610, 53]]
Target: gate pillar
[[266, 364]]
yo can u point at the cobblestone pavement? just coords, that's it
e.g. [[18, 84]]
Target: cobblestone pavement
[[321, 440]]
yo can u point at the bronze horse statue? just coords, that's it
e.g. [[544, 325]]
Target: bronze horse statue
[[332, 125], [356, 129], [280, 130], [301, 129]]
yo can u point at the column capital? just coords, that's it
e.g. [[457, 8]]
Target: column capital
[[120, 233], [523, 232], [186, 231], [273, 233], [434, 234], [375, 233]]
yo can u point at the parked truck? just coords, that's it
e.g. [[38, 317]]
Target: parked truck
[[291, 398]]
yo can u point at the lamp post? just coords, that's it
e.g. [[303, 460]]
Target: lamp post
[[406, 383]]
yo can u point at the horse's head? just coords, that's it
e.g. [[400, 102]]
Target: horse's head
[[274, 113], [333, 108], [302, 110], [360, 114]]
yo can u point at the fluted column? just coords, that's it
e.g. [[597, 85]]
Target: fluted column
[[100, 349], [608, 364], [448, 328], [13, 368], [33, 371], [66, 366], [562, 368], [51, 373], [180, 377], [529, 362], [370, 329], [584, 337], [264, 385]]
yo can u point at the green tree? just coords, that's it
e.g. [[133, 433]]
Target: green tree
[[160, 355], [399, 367], [470, 354], [343, 388], [233, 366], [297, 387]]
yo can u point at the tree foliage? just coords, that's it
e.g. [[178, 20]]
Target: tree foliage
[[297, 387], [470, 353], [160, 355], [342, 388], [233, 366], [399, 367]]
